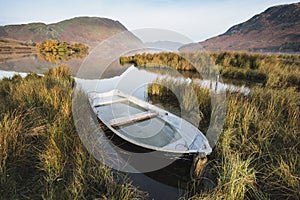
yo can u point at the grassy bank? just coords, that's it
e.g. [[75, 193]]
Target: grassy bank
[[258, 153], [258, 68], [41, 155]]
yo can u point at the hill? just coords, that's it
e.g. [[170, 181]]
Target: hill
[[277, 29], [86, 30], [164, 45]]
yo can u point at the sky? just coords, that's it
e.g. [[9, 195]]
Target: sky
[[195, 19]]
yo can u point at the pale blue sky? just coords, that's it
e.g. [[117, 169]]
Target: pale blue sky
[[197, 20]]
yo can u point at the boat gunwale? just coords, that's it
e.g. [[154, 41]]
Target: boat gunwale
[[149, 106]]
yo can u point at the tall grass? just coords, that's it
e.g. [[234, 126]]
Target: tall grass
[[272, 70], [258, 154], [188, 97], [41, 155], [259, 151]]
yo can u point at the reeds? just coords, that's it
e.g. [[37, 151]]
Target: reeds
[[182, 92], [258, 154], [41, 155], [270, 69]]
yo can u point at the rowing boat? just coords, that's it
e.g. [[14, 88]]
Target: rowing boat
[[147, 126]]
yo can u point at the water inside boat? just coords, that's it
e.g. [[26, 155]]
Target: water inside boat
[[152, 131]]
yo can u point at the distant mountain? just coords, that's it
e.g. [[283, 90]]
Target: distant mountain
[[164, 45], [275, 30], [86, 30]]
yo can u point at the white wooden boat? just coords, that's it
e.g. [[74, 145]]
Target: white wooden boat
[[146, 125]]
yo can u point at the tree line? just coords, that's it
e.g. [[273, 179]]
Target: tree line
[[54, 50], [53, 46]]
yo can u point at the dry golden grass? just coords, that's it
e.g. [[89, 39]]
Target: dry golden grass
[[41, 155]]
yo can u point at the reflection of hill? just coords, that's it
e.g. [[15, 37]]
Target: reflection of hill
[[39, 64], [25, 63], [55, 57], [103, 61], [8, 46], [15, 50], [34, 63], [8, 57]]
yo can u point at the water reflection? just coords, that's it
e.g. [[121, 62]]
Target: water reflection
[[40, 63], [9, 74], [57, 57], [10, 56], [33, 63]]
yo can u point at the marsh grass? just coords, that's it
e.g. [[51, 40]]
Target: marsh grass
[[168, 90], [41, 155], [258, 154], [273, 70]]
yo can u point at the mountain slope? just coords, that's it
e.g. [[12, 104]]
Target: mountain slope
[[164, 45], [275, 30], [86, 30]]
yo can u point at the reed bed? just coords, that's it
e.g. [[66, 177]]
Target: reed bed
[[258, 153], [41, 154]]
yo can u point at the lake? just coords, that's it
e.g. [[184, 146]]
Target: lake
[[166, 183]]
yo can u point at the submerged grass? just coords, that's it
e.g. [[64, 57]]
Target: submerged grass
[[41, 155]]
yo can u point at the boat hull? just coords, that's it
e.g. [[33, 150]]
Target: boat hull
[[147, 128]]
